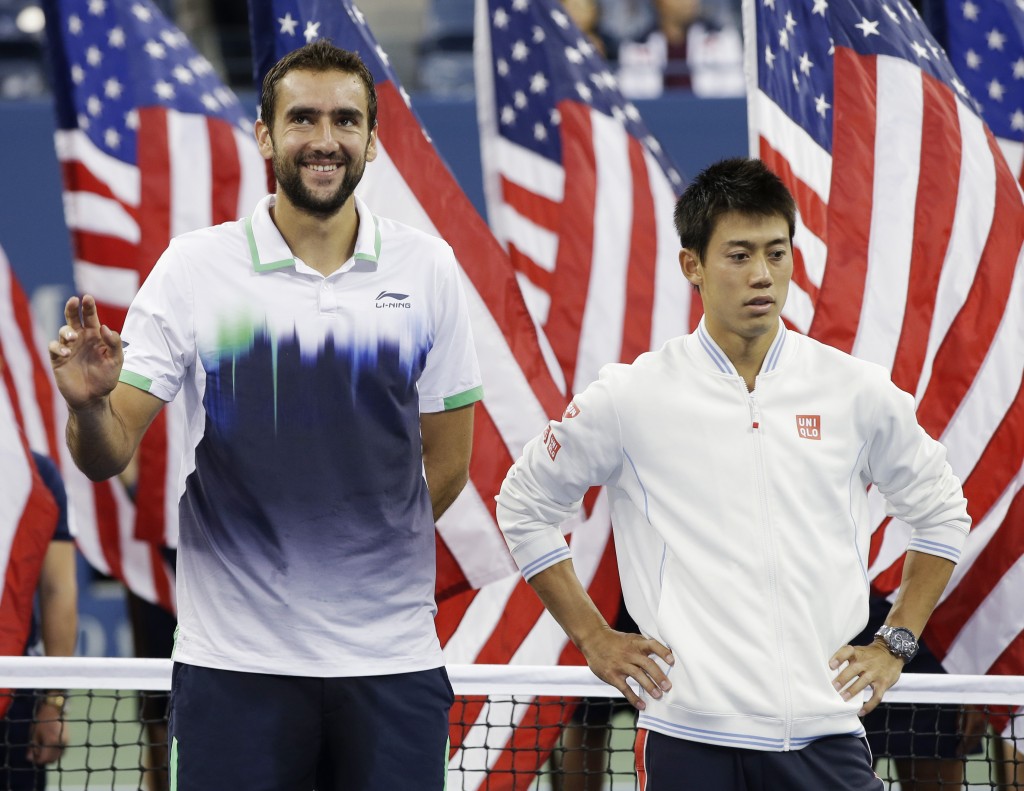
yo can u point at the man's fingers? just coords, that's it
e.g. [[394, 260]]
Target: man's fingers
[[72, 312], [90, 315]]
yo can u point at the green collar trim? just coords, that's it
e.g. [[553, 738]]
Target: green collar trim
[[375, 256], [254, 253]]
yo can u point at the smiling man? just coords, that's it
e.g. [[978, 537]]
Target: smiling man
[[326, 434], [737, 461]]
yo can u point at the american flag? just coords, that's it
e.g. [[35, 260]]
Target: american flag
[[985, 42], [910, 254], [28, 512], [578, 190], [151, 145]]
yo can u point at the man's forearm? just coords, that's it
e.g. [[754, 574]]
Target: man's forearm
[[98, 440], [924, 579], [568, 602]]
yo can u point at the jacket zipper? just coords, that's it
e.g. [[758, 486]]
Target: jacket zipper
[[762, 493]]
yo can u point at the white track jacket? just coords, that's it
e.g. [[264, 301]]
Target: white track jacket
[[741, 520]]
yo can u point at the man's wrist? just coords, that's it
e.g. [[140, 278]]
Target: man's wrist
[[56, 699]]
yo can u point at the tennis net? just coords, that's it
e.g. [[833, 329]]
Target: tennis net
[[513, 727]]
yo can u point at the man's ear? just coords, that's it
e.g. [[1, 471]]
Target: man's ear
[[371, 143], [690, 264], [266, 145]]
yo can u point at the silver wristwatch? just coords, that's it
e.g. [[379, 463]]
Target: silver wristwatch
[[900, 641]]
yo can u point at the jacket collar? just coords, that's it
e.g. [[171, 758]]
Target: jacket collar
[[710, 354], [269, 251]]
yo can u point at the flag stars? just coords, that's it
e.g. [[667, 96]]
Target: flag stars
[[959, 86], [618, 114], [113, 89], [995, 39], [868, 27], [796, 80], [142, 13], [312, 32], [500, 19], [508, 115], [1018, 69], [920, 51], [501, 66], [155, 49], [973, 59], [77, 74], [74, 24], [83, 121], [116, 37], [381, 54], [97, 7], [112, 138], [520, 5], [584, 47], [519, 100], [131, 119], [172, 39], [805, 64], [210, 102], [538, 34], [769, 57], [224, 96], [560, 19], [520, 51], [784, 38], [937, 52], [199, 65], [164, 90], [891, 14], [556, 117], [769, 4], [408, 102], [288, 24], [584, 91], [538, 83], [820, 7], [573, 55], [970, 11], [790, 22], [821, 105], [93, 56], [1017, 120], [996, 90], [357, 15], [631, 112], [93, 106], [540, 133], [183, 75]]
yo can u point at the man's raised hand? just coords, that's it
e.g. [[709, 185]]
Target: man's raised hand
[[86, 357]]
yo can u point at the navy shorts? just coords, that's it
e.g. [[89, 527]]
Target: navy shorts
[[665, 763], [286, 733]]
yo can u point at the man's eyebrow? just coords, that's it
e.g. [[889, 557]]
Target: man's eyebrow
[[338, 112]]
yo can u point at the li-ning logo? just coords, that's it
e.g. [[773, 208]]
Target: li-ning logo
[[808, 426], [391, 299]]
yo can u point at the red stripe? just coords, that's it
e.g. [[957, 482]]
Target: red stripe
[[12, 390], [801, 278], [108, 527], [151, 484], [536, 274], [837, 313], [534, 207], [41, 385], [451, 610], [967, 342], [643, 257], [640, 757], [450, 579], [937, 187], [155, 174], [576, 238], [813, 210], [105, 250], [226, 171], [479, 254], [79, 178]]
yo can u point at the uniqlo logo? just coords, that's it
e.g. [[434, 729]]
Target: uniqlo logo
[[547, 433], [571, 411], [808, 426], [553, 445]]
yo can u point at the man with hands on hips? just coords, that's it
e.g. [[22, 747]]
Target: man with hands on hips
[[737, 461]]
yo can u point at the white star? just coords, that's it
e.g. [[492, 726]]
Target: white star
[[868, 27], [584, 47], [769, 4], [631, 112], [907, 14], [937, 52], [183, 75], [93, 106], [224, 96], [538, 83], [790, 22], [501, 66], [831, 46], [131, 119], [995, 39], [408, 103], [501, 19], [970, 11], [892, 14], [93, 56], [74, 24], [573, 55], [520, 5], [674, 177], [164, 90], [288, 24], [920, 51], [155, 49], [520, 50], [959, 87], [556, 117], [560, 19], [357, 15], [617, 114], [311, 32], [383, 55], [783, 38], [583, 91], [805, 64], [77, 74], [769, 57], [199, 65], [538, 34], [822, 106], [996, 90], [796, 80], [973, 59], [116, 37], [142, 13], [112, 89], [112, 138], [539, 132], [83, 121], [97, 7], [820, 7], [609, 80], [519, 100], [210, 102], [508, 115], [171, 39], [1018, 69], [1017, 120]]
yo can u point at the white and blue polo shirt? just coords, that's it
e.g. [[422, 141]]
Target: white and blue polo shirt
[[306, 536]]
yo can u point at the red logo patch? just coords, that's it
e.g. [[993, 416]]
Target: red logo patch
[[571, 411], [553, 446], [544, 437], [808, 426]]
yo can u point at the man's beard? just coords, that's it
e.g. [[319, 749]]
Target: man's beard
[[289, 181]]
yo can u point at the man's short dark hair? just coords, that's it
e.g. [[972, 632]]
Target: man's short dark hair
[[741, 185], [319, 56]]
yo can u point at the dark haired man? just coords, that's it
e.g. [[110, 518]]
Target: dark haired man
[[329, 430], [737, 461]]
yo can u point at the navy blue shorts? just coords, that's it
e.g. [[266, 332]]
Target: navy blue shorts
[[665, 763], [264, 732]]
